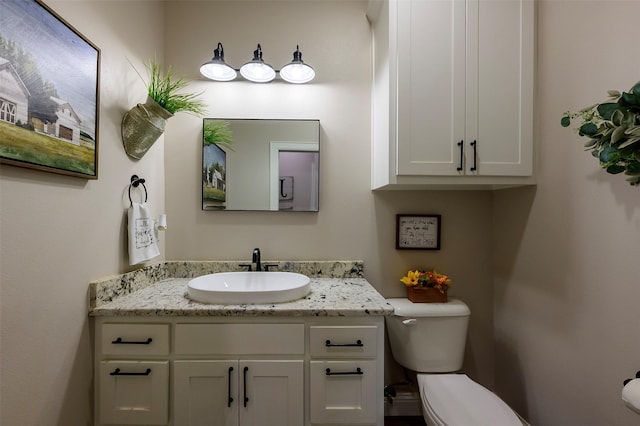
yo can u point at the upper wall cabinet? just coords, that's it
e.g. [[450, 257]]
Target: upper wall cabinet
[[452, 93]]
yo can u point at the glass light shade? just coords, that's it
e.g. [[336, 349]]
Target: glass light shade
[[297, 71], [218, 71], [216, 68], [256, 70]]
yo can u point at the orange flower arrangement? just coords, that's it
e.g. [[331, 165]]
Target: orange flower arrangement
[[429, 278]]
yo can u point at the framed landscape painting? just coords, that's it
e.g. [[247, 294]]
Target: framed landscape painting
[[214, 177], [49, 92]]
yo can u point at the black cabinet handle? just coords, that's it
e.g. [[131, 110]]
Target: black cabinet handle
[[117, 372], [229, 398], [328, 344], [474, 144], [119, 341], [461, 145], [246, 399], [358, 372]]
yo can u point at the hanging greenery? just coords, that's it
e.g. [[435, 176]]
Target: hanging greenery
[[613, 129]]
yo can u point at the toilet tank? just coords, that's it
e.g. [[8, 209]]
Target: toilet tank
[[428, 337]]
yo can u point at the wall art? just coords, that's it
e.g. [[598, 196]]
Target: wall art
[[418, 232], [49, 92]]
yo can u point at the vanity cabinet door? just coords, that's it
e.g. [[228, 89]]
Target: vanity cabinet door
[[134, 392], [205, 393], [343, 392], [271, 393], [244, 393]]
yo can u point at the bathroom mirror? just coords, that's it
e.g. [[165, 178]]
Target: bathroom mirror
[[264, 165]]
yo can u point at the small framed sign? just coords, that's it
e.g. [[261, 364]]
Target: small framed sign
[[418, 232]]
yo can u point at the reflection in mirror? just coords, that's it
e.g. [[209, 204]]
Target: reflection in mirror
[[260, 164]]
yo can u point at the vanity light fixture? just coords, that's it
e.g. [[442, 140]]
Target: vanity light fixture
[[257, 70], [297, 71], [216, 68]]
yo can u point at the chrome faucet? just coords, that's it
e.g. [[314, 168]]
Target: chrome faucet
[[255, 260]]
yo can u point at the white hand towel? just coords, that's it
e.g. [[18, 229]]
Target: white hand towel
[[143, 242]]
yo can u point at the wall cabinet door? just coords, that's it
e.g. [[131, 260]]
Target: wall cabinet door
[[134, 392], [453, 91], [431, 86], [245, 393], [465, 87]]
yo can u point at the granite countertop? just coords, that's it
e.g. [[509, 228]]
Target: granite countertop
[[337, 289]]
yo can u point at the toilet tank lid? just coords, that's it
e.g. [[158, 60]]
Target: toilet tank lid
[[403, 307]]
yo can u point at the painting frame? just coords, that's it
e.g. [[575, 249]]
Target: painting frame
[[418, 231], [214, 175], [50, 104]]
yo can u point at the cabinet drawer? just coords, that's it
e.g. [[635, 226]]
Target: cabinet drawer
[[343, 341], [239, 339], [134, 392], [343, 392], [135, 339]]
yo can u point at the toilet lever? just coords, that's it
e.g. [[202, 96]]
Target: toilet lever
[[409, 321]]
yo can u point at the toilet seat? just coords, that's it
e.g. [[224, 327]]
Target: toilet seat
[[456, 400]]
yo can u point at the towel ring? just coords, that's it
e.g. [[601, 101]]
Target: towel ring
[[135, 182]]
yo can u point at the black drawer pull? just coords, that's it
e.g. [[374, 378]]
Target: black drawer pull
[[328, 344], [244, 373], [229, 398], [117, 372], [358, 372], [119, 341]]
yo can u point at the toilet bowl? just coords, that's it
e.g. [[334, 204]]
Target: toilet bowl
[[456, 400], [429, 338]]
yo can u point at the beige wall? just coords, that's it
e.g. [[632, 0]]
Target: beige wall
[[567, 281], [565, 253], [57, 233], [353, 222]]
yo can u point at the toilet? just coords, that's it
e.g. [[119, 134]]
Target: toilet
[[429, 338]]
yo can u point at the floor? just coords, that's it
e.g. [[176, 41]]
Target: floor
[[403, 421]]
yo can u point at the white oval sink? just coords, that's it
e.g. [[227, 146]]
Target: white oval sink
[[239, 288]]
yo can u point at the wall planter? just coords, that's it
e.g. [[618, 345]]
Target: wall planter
[[142, 126], [144, 123]]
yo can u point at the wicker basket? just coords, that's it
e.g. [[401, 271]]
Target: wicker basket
[[426, 295]]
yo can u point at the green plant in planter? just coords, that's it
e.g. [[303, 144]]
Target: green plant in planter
[[613, 129], [143, 124], [217, 132], [163, 88]]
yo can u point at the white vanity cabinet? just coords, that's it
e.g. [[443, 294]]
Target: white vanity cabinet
[[452, 93], [132, 374], [239, 371], [239, 391], [343, 374]]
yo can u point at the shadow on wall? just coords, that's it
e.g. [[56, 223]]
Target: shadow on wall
[[625, 194], [512, 391], [512, 209]]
